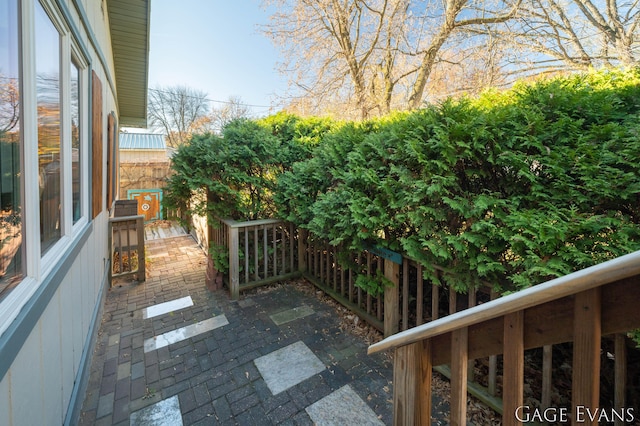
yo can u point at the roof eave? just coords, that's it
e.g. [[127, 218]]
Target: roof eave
[[129, 22]]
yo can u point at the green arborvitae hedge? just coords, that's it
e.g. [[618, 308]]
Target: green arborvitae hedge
[[513, 188]]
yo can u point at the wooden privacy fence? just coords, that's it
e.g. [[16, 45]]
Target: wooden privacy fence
[[580, 308], [126, 240]]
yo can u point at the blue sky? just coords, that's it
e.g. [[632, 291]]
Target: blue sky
[[214, 46]]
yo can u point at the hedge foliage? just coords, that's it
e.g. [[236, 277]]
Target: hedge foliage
[[513, 188], [237, 169]]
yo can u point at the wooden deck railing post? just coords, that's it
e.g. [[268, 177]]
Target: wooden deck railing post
[[142, 273], [513, 376], [459, 359], [587, 332], [391, 298], [303, 236], [412, 384], [234, 264]]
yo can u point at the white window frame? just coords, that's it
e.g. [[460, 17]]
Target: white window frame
[[36, 267]]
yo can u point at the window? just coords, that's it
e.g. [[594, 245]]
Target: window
[[11, 232], [47, 43], [76, 147], [44, 98]]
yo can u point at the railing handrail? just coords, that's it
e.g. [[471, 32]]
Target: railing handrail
[[249, 223], [585, 279], [115, 219]]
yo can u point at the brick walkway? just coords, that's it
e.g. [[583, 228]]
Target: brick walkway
[[212, 376]]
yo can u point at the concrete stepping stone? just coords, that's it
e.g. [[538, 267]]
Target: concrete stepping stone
[[288, 366], [183, 333], [342, 407], [166, 307], [163, 413], [291, 315]]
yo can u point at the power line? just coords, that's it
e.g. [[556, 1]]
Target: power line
[[206, 98]]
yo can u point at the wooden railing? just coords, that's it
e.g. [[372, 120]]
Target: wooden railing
[[259, 252], [580, 308], [126, 240], [322, 268]]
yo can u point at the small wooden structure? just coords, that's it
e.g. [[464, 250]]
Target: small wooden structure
[[126, 240], [580, 308]]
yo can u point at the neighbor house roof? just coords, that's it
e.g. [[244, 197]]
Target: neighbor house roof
[[129, 25], [142, 141]]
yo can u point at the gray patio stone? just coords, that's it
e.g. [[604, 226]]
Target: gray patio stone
[[288, 366]]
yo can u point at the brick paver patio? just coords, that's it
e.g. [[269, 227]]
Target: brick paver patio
[[208, 370]]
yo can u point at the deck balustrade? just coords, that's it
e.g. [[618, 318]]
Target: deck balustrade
[[581, 308], [126, 239]]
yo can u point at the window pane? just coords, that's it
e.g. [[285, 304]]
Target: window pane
[[49, 139], [75, 141], [10, 216]]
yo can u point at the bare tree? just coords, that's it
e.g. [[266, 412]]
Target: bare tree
[[178, 111], [9, 104], [552, 35], [372, 55], [230, 110]]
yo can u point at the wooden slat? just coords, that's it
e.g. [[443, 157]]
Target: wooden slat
[[618, 269], [420, 297], [405, 293], [435, 306], [551, 323], [246, 255], [256, 257], [586, 352], [459, 346], [412, 385], [547, 364], [453, 300], [620, 376], [513, 375], [234, 264]]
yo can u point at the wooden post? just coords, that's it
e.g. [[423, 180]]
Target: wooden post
[[547, 361], [391, 298], [412, 384], [619, 398], [405, 293], [303, 235], [142, 273], [110, 243], [459, 355], [234, 264], [453, 301], [513, 376], [435, 306], [587, 332]]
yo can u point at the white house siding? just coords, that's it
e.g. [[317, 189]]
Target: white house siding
[[41, 379], [41, 383]]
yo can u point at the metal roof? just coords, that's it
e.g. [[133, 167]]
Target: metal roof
[[140, 141], [129, 25]]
